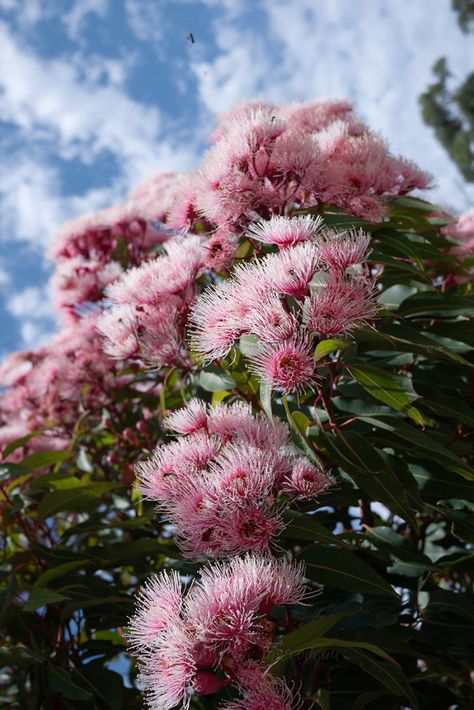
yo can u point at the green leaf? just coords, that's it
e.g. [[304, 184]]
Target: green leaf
[[384, 388], [75, 499], [365, 699], [61, 681], [215, 381], [333, 567], [435, 481], [12, 470], [385, 538], [432, 303], [427, 446], [370, 471], [249, 345], [41, 597], [305, 527], [414, 203], [303, 638], [324, 347], [8, 593], [14, 445], [299, 422], [59, 571], [266, 398], [46, 458], [402, 338], [388, 674]]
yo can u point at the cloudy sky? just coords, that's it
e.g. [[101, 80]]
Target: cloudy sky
[[97, 94]]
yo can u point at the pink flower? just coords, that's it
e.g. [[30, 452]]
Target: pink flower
[[343, 249], [188, 419], [219, 315], [167, 670], [221, 624], [307, 481], [221, 249], [290, 272], [161, 477], [287, 365], [159, 603], [228, 606], [260, 691], [271, 321], [286, 232], [338, 305]]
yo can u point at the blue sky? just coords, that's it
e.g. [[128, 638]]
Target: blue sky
[[97, 94]]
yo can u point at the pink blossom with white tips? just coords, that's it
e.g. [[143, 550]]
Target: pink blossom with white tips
[[286, 232], [228, 606], [167, 669], [161, 476], [343, 249], [188, 419], [261, 691], [290, 272], [287, 365], [159, 603], [307, 480], [338, 305]]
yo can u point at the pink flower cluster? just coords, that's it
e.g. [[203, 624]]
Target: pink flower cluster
[[214, 635], [52, 386], [150, 304], [218, 483], [285, 299], [267, 159], [90, 251]]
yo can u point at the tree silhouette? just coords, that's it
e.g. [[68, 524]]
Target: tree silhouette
[[450, 110]]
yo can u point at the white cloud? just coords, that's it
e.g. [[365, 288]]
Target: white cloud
[[27, 12], [32, 307], [5, 278], [377, 54], [73, 20], [62, 112], [34, 334], [31, 302], [33, 204], [145, 19]]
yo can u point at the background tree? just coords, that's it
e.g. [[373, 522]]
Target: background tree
[[448, 109]]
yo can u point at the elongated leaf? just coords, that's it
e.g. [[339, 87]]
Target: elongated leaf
[[431, 303], [249, 345], [370, 471], [61, 681], [403, 338], [435, 481], [58, 571], [215, 381], [41, 597], [303, 638], [386, 673], [305, 527], [329, 346], [266, 398], [14, 445], [75, 499], [334, 567], [384, 388], [46, 458], [427, 446]]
